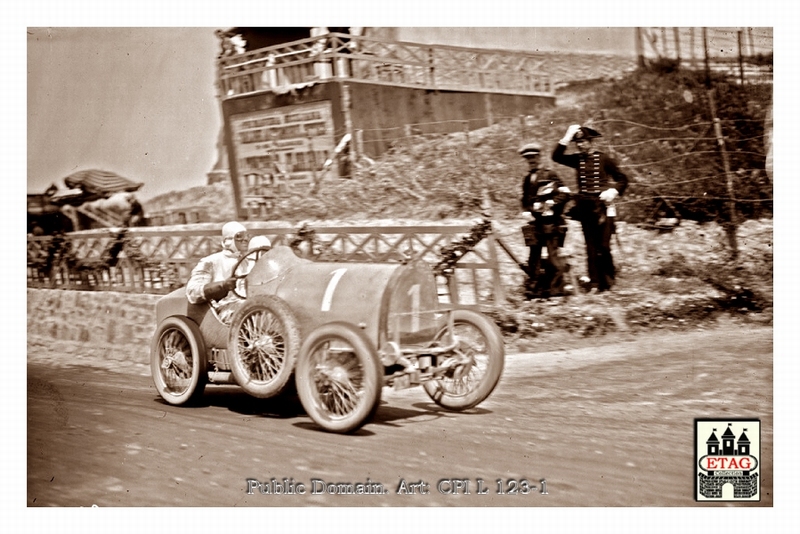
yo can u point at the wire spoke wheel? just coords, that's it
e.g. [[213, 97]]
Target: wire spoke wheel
[[263, 343], [339, 378], [474, 366], [177, 361], [469, 361]]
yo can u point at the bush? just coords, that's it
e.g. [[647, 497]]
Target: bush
[[663, 130]]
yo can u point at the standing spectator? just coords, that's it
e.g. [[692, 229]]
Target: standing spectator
[[544, 197], [594, 203]]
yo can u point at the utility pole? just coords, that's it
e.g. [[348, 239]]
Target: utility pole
[[352, 149], [639, 47], [705, 53], [730, 225], [741, 59]]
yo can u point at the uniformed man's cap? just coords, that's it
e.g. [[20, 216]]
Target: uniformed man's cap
[[586, 133], [530, 149]]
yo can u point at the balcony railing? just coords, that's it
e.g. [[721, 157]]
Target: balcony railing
[[358, 58]]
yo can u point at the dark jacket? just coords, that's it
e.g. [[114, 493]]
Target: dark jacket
[[594, 172], [530, 187]]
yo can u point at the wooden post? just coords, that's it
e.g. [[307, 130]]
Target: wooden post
[[691, 46], [468, 150], [316, 177], [677, 45], [452, 286], [705, 53], [352, 150], [730, 227], [359, 140], [741, 59], [639, 47], [499, 290], [487, 102], [431, 69]]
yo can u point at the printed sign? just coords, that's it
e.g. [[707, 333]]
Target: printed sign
[[281, 148], [728, 466]]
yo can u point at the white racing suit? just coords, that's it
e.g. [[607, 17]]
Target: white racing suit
[[217, 267]]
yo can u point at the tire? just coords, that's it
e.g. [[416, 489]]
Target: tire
[[340, 390], [263, 344], [481, 344], [178, 361]]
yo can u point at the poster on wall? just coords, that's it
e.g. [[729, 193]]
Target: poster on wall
[[281, 150]]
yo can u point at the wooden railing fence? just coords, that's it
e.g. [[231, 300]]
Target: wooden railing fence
[[154, 260]]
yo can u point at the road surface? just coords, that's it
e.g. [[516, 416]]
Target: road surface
[[611, 425]]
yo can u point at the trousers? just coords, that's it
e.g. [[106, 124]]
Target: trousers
[[546, 278], [599, 262]]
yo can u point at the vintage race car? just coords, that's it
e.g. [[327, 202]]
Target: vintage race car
[[344, 330]]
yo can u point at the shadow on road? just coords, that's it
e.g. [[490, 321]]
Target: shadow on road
[[307, 425], [287, 406], [283, 406]]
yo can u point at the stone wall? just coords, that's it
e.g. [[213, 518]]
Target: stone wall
[[90, 325]]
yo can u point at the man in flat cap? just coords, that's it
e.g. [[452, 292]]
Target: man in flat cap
[[543, 196], [595, 172]]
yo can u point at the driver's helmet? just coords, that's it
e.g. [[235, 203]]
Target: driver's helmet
[[259, 241], [230, 232]]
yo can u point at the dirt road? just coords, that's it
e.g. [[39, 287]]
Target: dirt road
[[603, 426]]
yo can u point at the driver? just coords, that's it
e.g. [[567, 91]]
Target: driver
[[212, 278]]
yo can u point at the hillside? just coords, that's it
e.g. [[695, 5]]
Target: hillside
[[658, 125]]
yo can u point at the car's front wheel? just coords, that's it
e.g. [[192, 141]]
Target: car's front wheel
[[339, 377], [473, 367]]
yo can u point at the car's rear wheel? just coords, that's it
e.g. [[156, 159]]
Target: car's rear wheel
[[178, 361], [475, 365], [339, 377], [263, 344]]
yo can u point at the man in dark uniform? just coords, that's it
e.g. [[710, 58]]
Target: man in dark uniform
[[544, 196], [594, 202]]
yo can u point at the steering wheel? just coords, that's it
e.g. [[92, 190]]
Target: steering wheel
[[248, 259]]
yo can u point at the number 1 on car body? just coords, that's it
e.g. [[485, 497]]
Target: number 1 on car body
[[327, 298]]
